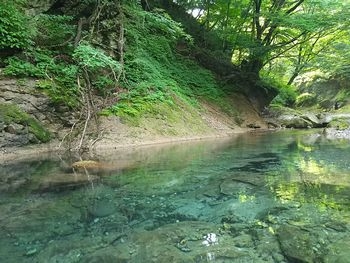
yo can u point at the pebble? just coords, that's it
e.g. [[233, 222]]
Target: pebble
[[31, 252]]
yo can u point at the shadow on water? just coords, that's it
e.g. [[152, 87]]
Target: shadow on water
[[263, 197], [259, 163]]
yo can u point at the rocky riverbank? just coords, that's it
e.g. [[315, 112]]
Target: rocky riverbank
[[334, 124], [30, 123]]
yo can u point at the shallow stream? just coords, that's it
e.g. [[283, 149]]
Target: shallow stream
[[261, 197]]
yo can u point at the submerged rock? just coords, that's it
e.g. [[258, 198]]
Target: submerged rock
[[87, 164], [338, 251], [102, 208], [101, 168], [296, 244], [104, 256], [59, 182], [244, 241], [257, 164], [232, 187], [180, 242]]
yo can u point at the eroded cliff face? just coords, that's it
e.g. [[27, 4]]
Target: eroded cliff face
[[35, 7], [27, 115]]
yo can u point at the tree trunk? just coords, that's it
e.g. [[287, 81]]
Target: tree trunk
[[292, 78], [252, 66], [225, 25]]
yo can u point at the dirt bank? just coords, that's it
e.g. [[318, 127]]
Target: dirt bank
[[108, 143], [116, 135]]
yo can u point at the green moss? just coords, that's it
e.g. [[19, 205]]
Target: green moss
[[58, 93], [306, 100], [175, 119], [10, 113], [343, 95], [278, 109], [340, 124]]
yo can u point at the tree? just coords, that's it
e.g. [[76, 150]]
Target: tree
[[325, 23], [336, 60], [261, 31], [307, 51]]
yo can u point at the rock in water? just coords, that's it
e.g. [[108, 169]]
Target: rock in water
[[87, 164], [338, 251], [102, 207], [101, 168], [296, 244], [58, 182]]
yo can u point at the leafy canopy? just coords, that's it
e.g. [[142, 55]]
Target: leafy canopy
[[264, 33]]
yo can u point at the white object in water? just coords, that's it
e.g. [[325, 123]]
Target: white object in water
[[210, 239]]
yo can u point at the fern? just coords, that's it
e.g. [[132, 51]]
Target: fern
[[94, 59], [15, 32]]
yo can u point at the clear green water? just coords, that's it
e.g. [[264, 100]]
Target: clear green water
[[273, 197]]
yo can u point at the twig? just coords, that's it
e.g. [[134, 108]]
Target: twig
[[88, 102]]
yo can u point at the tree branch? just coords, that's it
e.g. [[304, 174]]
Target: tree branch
[[293, 8]]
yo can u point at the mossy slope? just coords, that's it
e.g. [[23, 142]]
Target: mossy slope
[[11, 114]]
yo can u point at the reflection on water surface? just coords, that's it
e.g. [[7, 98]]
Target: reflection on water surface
[[276, 197]]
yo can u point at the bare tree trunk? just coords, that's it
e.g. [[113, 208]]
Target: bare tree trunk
[[79, 30], [227, 17], [121, 43], [87, 107], [292, 78]]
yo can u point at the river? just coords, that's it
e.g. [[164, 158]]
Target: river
[[257, 197]]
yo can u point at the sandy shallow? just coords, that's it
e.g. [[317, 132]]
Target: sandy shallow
[[107, 145], [113, 143]]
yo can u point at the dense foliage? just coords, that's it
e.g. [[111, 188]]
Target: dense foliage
[[154, 72], [15, 31], [129, 54]]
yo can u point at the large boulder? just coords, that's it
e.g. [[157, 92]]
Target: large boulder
[[334, 133], [296, 244], [59, 182], [338, 251], [291, 118], [314, 119], [294, 121]]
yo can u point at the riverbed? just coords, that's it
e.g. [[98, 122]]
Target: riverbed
[[257, 197]]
